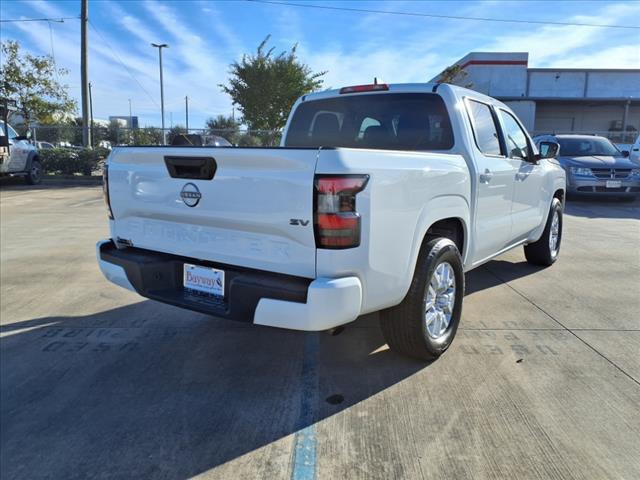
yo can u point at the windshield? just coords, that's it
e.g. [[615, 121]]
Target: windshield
[[11, 131], [396, 121], [585, 147]]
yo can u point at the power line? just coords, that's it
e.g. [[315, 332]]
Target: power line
[[59, 19], [117, 57], [450, 17]]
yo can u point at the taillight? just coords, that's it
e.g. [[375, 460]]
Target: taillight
[[337, 223], [105, 190]]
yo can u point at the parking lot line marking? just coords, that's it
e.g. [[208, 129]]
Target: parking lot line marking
[[620, 369], [304, 445]]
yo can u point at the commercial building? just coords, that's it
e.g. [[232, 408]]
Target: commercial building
[[125, 121], [559, 100]]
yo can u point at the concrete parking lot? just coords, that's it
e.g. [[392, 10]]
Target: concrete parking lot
[[543, 380]]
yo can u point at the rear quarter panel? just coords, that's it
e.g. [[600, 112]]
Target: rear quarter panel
[[407, 192]]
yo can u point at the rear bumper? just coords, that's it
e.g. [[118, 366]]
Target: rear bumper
[[263, 298]]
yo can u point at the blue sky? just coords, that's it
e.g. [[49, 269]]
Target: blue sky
[[205, 37]]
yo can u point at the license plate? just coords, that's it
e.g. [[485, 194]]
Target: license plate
[[204, 279], [614, 183]]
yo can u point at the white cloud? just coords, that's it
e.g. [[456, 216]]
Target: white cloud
[[354, 48], [622, 56], [561, 45]]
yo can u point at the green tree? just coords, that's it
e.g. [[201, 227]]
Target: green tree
[[31, 81], [147, 136], [223, 126], [265, 86], [454, 75]]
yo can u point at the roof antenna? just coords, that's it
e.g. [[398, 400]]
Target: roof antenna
[[375, 80]]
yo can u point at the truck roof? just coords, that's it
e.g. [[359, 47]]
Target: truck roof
[[429, 87]]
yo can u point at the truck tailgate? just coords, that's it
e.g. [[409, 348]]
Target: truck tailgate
[[242, 216]]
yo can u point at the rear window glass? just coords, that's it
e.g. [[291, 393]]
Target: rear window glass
[[395, 121]]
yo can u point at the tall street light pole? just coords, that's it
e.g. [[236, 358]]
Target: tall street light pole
[[186, 111], [160, 46], [84, 72], [90, 116]]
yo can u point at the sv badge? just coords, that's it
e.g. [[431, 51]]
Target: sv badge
[[298, 221]]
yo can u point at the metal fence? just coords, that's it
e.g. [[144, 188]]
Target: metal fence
[[48, 136], [113, 135]]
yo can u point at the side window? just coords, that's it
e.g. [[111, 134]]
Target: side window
[[12, 132], [514, 136], [366, 123], [325, 125], [485, 130]]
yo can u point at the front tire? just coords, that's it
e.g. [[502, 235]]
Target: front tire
[[424, 324], [545, 251], [34, 177]]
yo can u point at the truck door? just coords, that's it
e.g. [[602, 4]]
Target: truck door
[[496, 177], [18, 152], [529, 207]]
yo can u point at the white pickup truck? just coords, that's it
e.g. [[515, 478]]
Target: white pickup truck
[[379, 199], [18, 156]]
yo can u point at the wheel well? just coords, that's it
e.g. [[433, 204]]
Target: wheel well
[[559, 194], [31, 158], [451, 228]]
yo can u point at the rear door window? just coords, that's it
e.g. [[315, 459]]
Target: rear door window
[[485, 130], [395, 121], [514, 136]]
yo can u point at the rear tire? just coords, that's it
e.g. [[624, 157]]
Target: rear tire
[[545, 251], [34, 177], [424, 324]]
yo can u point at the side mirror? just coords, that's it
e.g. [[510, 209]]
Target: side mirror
[[548, 150], [625, 153], [4, 141]]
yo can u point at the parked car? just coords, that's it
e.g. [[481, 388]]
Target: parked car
[[19, 157], [216, 141], [634, 154], [379, 199], [595, 166], [197, 140], [44, 145]]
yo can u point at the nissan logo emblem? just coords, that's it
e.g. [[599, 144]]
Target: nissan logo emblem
[[190, 195]]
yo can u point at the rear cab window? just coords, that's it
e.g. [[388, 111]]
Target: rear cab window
[[392, 121]]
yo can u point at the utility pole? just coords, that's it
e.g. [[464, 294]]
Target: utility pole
[[186, 111], [130, 117], [160, 46], [91, 115], [84, 71]]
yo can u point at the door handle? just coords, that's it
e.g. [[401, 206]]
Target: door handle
[[486, 176]]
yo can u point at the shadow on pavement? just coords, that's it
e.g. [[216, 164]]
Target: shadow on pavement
[[147, 390], [603, 207], [17, 184], [497, 272], [151, 390]]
